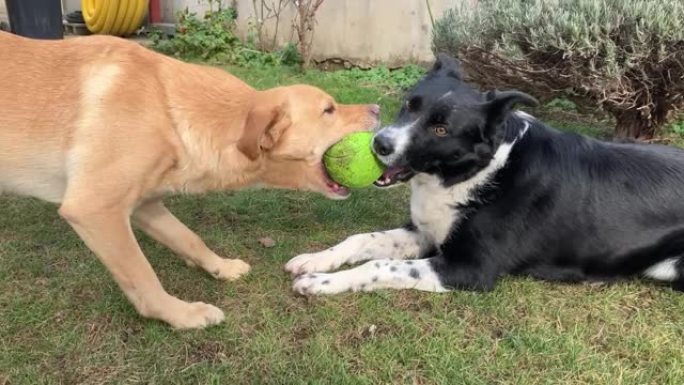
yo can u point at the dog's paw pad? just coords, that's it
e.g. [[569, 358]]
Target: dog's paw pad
[[230, 269], [196, 315], [314, 284], [311, 263]]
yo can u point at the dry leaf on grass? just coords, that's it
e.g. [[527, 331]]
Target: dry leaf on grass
[[267, 242]]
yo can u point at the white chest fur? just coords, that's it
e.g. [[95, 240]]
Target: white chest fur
[[434, 208]]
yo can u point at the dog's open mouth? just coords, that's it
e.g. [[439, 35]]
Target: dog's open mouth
[[334, 187], [393, 175]]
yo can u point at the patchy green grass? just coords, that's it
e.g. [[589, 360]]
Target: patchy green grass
[[64, 321]]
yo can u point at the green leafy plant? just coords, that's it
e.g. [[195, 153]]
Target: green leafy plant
[[200, 38], [212, 38], [289, 55], [381, 76], [561, 104], [626, 56], [677, 127]]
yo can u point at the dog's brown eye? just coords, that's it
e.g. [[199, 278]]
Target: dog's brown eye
[[329, 110], [440, 130]]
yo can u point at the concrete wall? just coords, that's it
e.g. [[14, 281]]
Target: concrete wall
[[363, 32]]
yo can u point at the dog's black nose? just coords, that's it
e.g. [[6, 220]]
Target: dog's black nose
[[382, 145]]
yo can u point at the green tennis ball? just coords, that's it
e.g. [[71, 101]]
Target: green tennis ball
[[351, 162]]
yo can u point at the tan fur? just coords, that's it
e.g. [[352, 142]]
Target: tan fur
[[106, 128]]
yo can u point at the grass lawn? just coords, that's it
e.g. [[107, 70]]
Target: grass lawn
[[64, 321]]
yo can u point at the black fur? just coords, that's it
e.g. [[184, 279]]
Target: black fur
[[564, 207]]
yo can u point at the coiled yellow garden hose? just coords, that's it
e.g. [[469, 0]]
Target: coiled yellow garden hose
[[114, 17]]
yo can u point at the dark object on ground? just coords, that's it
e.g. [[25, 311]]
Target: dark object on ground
[[38, 19], [75, 17]]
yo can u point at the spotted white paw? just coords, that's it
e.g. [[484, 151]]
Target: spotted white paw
[[316, 284], [313, 263], [379, 274]]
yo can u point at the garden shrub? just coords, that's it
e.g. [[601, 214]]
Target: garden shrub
[[625, 56]]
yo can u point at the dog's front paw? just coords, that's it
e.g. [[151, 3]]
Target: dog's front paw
[[196, 315], [312, 263], [313, 284], [317, 284], [230, 269]]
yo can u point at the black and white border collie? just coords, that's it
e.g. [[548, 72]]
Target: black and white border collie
[[496, 192]]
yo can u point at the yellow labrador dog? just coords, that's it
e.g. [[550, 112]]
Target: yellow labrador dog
[[106, 128]]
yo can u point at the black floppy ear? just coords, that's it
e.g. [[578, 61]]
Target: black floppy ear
[[448, 65], [499, 104]]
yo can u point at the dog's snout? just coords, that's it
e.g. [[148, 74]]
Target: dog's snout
[[374, 109], [382, 145]]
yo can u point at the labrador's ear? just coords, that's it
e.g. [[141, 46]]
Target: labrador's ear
[[264, 126]]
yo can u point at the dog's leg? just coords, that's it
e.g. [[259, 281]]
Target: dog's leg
[[373, 275], [159, 223], [435, 274], [107, 232], [98, 202], [397, 244]]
